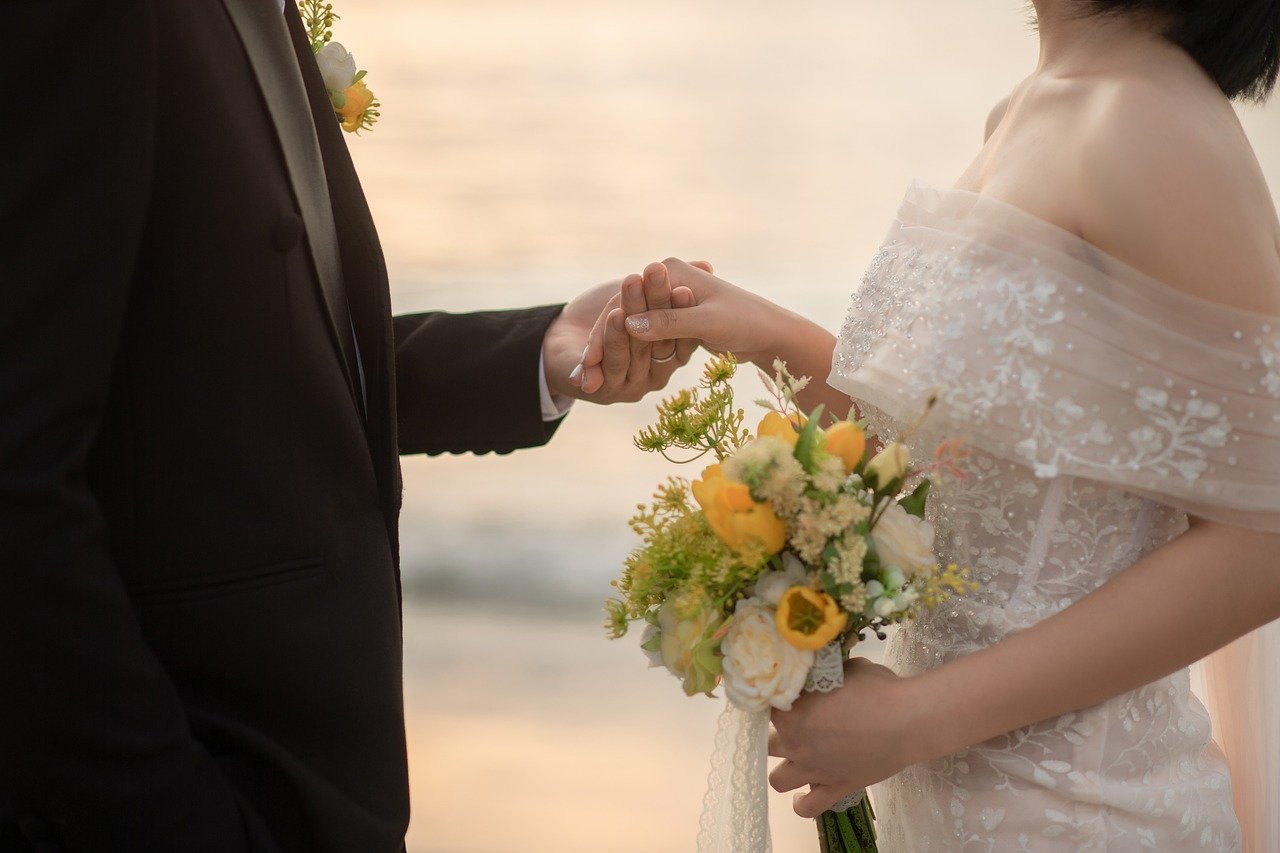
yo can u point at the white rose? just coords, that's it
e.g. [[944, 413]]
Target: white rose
[[760, 668], [771, 586], [904, 541], [337, 67]]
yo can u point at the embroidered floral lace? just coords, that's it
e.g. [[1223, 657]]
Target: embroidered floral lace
[[1102, 407]]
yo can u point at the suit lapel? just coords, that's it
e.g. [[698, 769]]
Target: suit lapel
[[365, 273], [266, 41]]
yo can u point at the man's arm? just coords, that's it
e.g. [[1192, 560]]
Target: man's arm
[[471, 382], [95, 751], [468, 383]]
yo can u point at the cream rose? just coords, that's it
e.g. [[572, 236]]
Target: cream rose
[[686, 647], [903, 540], [337, 67], [760, 668]]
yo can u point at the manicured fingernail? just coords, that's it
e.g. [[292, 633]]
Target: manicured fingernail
[[576, 376], [639, 323], [585, 350]]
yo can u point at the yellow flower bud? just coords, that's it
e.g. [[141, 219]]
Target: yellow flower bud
[[787, 429], [888, 465], [848, 442], [358, 98], [742, 523], [808, 619]]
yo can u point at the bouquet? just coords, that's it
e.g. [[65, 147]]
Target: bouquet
[[764, 573]]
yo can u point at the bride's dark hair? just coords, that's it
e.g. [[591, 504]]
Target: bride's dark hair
[[1236, 41]]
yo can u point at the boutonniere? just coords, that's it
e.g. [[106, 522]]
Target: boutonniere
[[353, 103]]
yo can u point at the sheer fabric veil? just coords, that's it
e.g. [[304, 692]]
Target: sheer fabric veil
[[1242, 693]]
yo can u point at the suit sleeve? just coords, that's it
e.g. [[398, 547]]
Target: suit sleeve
[[468, 383], [95, 750]]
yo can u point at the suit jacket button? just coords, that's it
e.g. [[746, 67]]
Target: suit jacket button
[[288, 231]]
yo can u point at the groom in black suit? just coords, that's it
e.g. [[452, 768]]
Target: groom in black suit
[[203, 396]]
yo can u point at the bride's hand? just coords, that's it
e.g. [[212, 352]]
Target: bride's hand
[[725, 319], [843, 741]]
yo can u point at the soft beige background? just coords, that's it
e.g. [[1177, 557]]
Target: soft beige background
[[530, 149]]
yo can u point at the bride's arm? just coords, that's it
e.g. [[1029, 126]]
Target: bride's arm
[[729, 319], [1199, 592]]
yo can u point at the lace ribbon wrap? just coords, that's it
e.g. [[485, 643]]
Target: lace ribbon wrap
[[1047, 353], [735, 810]]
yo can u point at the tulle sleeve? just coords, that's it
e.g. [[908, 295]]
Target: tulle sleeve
[[1043, 350]]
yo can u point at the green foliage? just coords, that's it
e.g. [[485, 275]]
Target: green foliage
[[702, 420], [318, 19], [914, 502], [808, 445], [680, 559]]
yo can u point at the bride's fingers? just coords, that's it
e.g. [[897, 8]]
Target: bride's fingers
[[705, 266], [787, 777], [682, 297], [657, 297], [633, 303], [818, 800], [660, 373], [775, 744]]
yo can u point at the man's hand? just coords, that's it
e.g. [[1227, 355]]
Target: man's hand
[[623, 369]]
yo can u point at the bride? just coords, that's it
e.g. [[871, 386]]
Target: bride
[[1097, 303]]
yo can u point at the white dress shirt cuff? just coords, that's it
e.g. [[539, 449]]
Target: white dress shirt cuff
[[554, 406]]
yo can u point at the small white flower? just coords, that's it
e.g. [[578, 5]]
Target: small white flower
[[760, 668], [337, 67], [875, 589], [771, 586], [885, 607]]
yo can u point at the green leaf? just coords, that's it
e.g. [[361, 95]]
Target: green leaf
[[807, 443], [359, 76], [914, 502]]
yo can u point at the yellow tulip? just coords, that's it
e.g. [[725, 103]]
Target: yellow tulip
[[787, 429], [808, 619], [745, 525], [848, 442], [358, 98], [888, 465]]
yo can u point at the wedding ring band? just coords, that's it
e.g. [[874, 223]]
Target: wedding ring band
[[664, 359]]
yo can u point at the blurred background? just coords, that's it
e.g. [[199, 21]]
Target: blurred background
[[528, 150]]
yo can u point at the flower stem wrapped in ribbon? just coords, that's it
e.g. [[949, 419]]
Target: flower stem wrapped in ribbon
[[764, 573]]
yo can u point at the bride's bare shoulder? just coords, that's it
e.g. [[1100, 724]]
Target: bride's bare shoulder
[[1168, 183]]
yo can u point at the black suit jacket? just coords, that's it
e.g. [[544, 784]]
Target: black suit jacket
[[199, 592]]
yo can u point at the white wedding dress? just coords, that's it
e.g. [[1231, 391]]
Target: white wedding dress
[[1102, 407]]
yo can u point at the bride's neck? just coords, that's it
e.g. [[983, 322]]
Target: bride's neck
[[1073, 43]]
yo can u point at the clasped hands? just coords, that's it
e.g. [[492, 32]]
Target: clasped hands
[[639, 331]]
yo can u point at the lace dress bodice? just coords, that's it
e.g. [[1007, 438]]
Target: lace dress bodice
[[1101, 407]]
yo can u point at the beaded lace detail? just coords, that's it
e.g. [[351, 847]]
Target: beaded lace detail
[[1102, 408]]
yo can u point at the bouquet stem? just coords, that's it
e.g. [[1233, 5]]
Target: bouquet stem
[[849, 831]]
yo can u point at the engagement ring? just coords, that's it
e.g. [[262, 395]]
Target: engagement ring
[[664, 359]]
